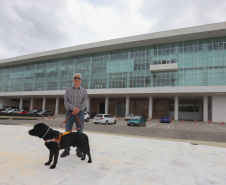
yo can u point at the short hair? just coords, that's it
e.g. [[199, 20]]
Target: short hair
[[77, 74]]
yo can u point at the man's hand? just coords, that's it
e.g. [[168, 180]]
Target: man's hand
[[76, 110]]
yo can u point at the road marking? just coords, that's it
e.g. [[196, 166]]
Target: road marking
[[187, 128], [168, 127], [152, 125], [217, 127], [204, 126]]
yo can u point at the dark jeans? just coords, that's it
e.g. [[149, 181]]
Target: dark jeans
[[70, 122]]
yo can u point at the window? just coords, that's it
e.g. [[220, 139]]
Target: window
[[98, 87]]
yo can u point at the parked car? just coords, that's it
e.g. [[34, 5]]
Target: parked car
[[138, 120], [10, 110], [45, 113], [2, 110], [22, 111], [86, 116], [104, 118], [15, 111], [34, 111], [92, 114], [165, 119], [129, 116]]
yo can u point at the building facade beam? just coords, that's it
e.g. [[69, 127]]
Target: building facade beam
[[176, 101], [57, 106], [205, 108], [150, 107], [106, 104], [127, 105], [44, 103], [21, 103]]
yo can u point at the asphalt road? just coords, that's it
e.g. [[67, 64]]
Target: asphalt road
[[186, 131]]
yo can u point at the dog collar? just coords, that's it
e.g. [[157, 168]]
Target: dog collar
[[46, 133], [56, 139]]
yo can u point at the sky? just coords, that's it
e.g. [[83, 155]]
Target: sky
[[34, 26]]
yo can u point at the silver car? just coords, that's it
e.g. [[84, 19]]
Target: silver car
[[86, 116], [129, 116]]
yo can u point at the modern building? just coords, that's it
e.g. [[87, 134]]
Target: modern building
[[179, 72]]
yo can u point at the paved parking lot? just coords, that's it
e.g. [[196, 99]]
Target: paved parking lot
[[213, 133], [116, 160], [122, 155]]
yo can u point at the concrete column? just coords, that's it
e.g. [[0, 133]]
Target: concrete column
[[150, 107], [21, 103], [127, 105], [200, 109], [44, 103], [88, 104], [32, 103], [205, 108], [57, 106], [176, 100], [106, 105]]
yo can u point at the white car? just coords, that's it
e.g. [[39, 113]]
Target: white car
[[11, 111], [104, 118], [86, 116], [129, 116]]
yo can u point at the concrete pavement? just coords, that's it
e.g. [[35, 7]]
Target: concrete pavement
[[116, 160]]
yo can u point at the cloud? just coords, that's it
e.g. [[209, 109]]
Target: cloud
[[30, 26], [173, 14]]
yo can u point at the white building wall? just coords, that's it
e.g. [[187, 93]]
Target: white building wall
[[218, 108]]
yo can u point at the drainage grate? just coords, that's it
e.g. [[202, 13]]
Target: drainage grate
[[194, 144]]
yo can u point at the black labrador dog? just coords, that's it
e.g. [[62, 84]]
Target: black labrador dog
[[55, 141]]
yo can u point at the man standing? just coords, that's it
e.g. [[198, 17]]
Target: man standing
[[75, 101]]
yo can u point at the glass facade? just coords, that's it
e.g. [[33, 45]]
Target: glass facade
[[200, 63]]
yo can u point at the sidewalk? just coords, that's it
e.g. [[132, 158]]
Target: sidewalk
[[116, 160]]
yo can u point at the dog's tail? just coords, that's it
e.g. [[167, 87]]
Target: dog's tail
[[88, 150], [87, 142]]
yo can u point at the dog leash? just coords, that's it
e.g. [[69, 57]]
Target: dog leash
[[65, 120], [68, 118]]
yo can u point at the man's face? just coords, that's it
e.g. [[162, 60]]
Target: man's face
[[77, 80]]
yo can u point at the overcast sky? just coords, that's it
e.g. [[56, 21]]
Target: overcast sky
[[31, 26]]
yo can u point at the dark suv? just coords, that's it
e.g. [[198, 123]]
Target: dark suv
[[92, 114]]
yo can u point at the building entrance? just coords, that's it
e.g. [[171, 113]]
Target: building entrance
[[121, 109], [102, 108]]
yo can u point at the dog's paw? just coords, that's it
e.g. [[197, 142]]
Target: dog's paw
[[53, 166], [89, 161], [83, 159], [47, 163]]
